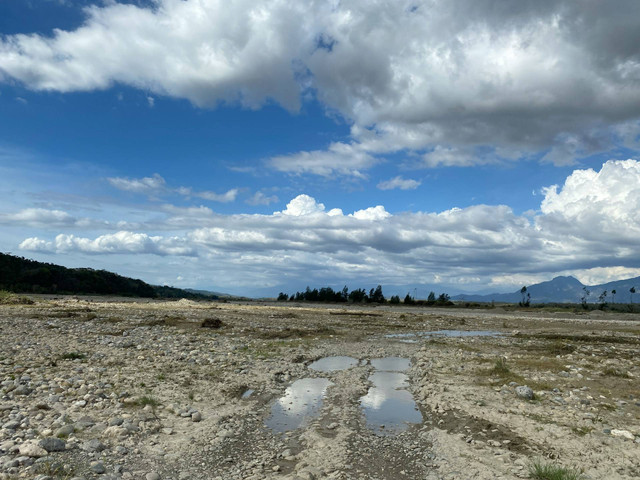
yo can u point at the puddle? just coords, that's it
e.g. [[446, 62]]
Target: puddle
[[301, 402], [411, 337], [248, 393], [333, 364], [392, 364], [388, 407]]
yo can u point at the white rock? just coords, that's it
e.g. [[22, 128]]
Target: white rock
[[32, 450], [622, 433]]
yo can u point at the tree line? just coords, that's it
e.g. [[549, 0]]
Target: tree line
[[360, 295], [21, 275]]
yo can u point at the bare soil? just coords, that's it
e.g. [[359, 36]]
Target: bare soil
[[160, 385]]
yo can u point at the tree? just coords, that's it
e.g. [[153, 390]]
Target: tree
[[632, 290], [283, 297], [376, 295], [408, 300], [444, 299], [431, 299], [395, 299], [602, 298], [526, 297], [613, 296], [585, 297]]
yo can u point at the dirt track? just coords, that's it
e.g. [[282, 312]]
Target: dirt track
[[163, 395]]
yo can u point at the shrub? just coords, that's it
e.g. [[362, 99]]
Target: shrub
[[549, 471]]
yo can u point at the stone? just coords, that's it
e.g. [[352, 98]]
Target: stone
[[623, 434], [65, 431], [53, 444], [152, 476], [93, 445], [196, 417], [32, 450], [98, 467], [524, 392]]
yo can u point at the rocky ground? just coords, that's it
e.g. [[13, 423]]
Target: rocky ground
[[114, 389]]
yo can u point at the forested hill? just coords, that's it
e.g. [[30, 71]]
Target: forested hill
[[22, 275]]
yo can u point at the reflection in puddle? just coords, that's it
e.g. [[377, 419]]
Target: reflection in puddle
[[301, 402], [333, 364], [389, 408], [410, 337], [392, 364], [248, 393]]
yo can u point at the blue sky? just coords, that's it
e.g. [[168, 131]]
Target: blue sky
[[256, 147]]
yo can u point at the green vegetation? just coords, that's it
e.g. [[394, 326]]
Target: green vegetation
[[8, 298], [18, 274], [73, 356], [360, 295], [548, 471]]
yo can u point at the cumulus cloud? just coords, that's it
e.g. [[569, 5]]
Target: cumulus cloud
[[587, 227], [120, 242], [443, 79], [42, 217], [399, 183]]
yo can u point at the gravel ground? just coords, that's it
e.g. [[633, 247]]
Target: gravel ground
[[114, 389]]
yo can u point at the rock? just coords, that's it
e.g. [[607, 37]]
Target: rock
[[65, 431], [196, 417], [53, 444], [22, 390], [524, 392], [32, 450], [97, 467], [623, 434], [152, 476], [93, 445]]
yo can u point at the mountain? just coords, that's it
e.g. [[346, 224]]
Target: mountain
[[563, 290], [21, 275]]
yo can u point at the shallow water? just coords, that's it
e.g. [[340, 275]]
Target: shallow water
[[411, 337], [391, 364], [333, 364], [300, 403], [388, 407]]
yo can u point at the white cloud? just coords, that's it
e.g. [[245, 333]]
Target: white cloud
[[400, 183], [259, 198], [339, 158], [588, 228], [42, 217], [437, 78], [302, 205], [155, 186]]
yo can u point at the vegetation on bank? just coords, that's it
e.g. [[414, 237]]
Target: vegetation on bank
[[21, 275], [360, 295]]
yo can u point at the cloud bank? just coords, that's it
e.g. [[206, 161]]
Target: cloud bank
[[587, 226], [457, 82]]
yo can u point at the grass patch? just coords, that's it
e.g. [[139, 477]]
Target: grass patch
[[582, 431], [549, 471], [500, 367], [147, 400], [8, 298], [73, 356], [615, 372]]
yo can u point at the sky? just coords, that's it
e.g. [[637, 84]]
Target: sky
[[256, 147]]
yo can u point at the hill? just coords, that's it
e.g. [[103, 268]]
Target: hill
[[21, 275], [563, 290]]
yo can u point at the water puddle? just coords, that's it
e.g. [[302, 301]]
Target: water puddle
[[413, 337], [301, 402], [248, 393], [333, 364], [388, 407], [391, 364]]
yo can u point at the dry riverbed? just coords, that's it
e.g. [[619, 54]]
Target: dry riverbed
[[114, 389]]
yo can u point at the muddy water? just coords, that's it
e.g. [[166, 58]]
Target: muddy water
[[301, 402]]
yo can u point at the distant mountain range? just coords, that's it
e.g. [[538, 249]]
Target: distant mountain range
[[22, 275], [565, 290]]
